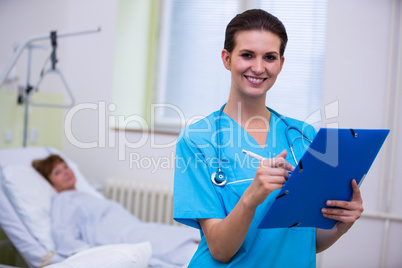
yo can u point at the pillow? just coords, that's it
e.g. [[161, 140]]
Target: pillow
[[110, 256], [30, 195]]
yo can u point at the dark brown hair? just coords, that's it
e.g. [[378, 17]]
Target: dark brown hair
[[255, 19], [45, 166]]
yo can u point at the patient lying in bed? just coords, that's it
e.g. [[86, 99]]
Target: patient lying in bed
[[80, 221]]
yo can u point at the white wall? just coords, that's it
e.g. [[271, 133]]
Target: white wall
[[356, 76]]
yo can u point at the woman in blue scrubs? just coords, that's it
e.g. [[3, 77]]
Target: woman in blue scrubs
[[228, 215]]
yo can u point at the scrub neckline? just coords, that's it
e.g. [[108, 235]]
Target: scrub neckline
[[268, 138]]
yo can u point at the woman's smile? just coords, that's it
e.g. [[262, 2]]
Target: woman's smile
[[255, 63], [255, 80]]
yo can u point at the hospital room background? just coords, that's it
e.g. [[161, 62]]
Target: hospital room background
[[125, 116]]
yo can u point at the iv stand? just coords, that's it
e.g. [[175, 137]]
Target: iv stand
[[21, 48], [28, 44]]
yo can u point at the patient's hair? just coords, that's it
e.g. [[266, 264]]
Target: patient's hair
[[45, 166]]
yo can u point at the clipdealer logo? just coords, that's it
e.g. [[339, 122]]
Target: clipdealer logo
[[108, 138], [118, 138]]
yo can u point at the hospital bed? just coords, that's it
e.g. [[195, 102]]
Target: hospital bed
[[24, 214]]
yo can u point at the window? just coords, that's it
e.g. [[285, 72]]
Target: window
[[192, 80], [298, 90]]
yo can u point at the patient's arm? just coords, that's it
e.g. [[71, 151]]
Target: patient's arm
[[68, 240], [65, 228]]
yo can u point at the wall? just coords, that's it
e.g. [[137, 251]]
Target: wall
[[115, 153], [356, 77], [131, 58], [43, 128], [86, 62], [359, 78]]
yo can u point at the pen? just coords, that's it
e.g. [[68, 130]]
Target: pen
[[258, 157], [253, 155]]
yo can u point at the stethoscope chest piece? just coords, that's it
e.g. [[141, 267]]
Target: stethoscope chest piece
[[218, 178]]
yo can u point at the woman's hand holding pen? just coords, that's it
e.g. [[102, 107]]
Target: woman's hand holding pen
[[270, 176], [225, 236]]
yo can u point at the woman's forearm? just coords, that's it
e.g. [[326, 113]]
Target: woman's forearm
[[225, 236], [326, 238]]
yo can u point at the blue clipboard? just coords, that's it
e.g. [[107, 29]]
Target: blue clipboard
[[332, 161]]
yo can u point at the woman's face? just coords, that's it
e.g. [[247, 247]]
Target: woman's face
[[255, 62], [62, 177]]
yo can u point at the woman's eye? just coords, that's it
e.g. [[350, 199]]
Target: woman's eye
[[246, 55], [270, 57]]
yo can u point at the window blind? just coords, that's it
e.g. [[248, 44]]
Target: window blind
[[192, 80], [298, 90]]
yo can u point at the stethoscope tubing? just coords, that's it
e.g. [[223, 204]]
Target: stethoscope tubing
[[219, 178]]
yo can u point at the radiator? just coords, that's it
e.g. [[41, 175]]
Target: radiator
[[148, 200]]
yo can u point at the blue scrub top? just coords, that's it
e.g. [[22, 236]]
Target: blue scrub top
[[195, 196]]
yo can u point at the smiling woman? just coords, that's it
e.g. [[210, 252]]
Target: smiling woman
[[255, 63], [226, 203]]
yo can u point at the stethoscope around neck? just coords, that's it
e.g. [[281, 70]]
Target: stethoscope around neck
[[219, 178]]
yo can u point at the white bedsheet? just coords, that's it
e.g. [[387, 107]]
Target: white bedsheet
[[80, 221], [31, 250]]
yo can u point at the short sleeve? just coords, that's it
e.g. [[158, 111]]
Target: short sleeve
[[194, 195]]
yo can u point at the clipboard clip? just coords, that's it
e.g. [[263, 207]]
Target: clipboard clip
[[294, 225], [282, 195], [354, 134]]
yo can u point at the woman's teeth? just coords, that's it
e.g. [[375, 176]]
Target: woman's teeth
[[255, 80]]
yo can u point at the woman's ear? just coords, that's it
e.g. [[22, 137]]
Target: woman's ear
[[282, 61], [226, 58]]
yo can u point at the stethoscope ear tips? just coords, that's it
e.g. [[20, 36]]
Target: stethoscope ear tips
[[218, 178]]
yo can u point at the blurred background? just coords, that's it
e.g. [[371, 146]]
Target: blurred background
[[139, 71]]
